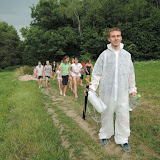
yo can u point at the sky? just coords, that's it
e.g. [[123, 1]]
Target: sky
[[16, 12]]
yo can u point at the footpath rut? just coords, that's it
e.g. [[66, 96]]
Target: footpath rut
[[72, 109], [67, 104]]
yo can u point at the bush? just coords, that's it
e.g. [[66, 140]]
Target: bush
[[9, 68], [24, 70], [28, 70]]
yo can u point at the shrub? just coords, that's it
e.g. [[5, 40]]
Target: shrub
[[24, 70]]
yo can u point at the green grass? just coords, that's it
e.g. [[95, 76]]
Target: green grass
[[26, 130], [147, 78], [78, 138], [145, 119]]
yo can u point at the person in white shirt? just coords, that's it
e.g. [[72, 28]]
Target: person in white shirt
[[76, 68], [115, 72], [71, 78], [39, 74], [58, 78], [47, 72]]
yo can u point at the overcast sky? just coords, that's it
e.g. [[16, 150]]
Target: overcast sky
[[16, 12]]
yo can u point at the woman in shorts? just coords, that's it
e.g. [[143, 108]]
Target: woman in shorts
[[64, 74], [71, 78], [58, 78], [47, 72], [54, 66], [76, 68], [88, 68], [39, 74]]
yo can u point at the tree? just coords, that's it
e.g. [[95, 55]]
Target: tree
[[92, 10], [79, 28], [155, 3], [9, 46], [50, 45], [47, 15], [92, 43], [72, 9]]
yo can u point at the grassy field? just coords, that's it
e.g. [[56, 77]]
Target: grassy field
[[145, 120], [26, 129], [41, 124]]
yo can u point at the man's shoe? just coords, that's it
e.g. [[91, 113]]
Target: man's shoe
[[104, 142], [126, 147]]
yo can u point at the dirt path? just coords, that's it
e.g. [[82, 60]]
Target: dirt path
[[66, 104], [73, 110], [70, 113], [27, 78]]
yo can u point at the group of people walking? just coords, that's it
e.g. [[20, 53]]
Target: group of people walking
[[114, 71], [72, 71], [40, 71]]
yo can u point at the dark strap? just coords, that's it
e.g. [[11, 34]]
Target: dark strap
[[85, 101]]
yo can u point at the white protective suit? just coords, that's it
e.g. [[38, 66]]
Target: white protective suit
[[115, 72]]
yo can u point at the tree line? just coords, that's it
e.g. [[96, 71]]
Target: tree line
[[79, 28]]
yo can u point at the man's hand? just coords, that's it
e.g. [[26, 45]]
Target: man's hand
[[85, 91], [133, 94]]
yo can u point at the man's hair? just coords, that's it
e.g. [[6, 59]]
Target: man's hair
[[114, 29]]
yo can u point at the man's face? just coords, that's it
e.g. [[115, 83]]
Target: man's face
[[115, 38]]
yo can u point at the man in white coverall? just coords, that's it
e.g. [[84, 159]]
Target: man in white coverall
[[115, 72]]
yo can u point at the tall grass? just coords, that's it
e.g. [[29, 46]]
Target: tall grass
[[23, 70]]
